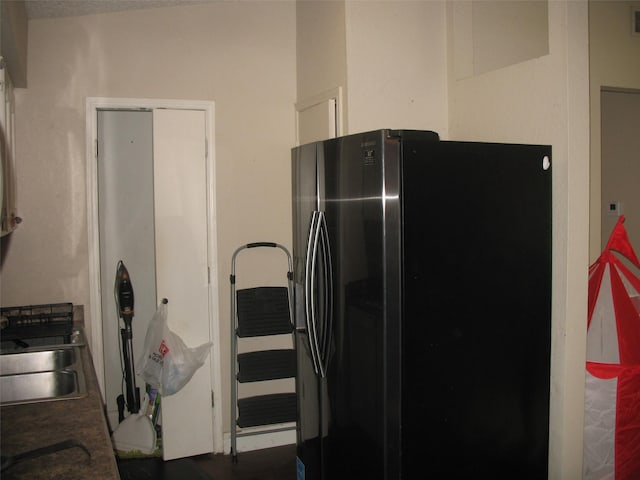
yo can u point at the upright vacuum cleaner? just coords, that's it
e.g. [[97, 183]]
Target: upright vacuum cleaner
[[134, 433], [125, 300]]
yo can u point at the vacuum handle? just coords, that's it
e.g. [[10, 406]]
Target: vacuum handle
[[125, 298], [124, 288]]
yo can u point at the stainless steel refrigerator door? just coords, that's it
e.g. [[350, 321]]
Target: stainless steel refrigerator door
[[355, 445], [308, 383], [342, 337]]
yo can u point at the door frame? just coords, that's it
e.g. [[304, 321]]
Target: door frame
[[92, 105]]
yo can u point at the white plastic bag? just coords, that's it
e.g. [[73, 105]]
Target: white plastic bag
[[166, 362]]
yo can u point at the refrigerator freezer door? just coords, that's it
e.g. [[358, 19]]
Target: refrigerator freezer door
[[477, 323]]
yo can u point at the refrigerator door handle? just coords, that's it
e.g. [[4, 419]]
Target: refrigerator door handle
[[327, 320], [309, 287]]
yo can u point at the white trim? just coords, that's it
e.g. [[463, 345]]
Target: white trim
[[92, 105], [93, 239], [216, 365]]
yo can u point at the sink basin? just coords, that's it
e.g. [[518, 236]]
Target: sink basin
[[38, 387], [42, 374], [42, 361]]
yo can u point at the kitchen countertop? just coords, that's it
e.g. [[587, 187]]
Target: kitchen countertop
[[29, 426]]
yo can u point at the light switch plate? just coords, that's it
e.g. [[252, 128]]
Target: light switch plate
[[614, 209]]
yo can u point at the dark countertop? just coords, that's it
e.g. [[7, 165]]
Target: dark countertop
[[30, 426]]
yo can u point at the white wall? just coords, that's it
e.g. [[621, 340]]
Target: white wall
[[546, 100], [241, 55]]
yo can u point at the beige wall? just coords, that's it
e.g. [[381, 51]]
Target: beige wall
[[321, 63], [13, 40], [614, 62], [396, 66], [545, 100], [388, 56], [492, 34], [241, 55]]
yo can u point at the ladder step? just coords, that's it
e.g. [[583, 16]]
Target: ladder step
[[266, 409], [263, 311], [266, 365]]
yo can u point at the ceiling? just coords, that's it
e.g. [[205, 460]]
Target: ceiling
[[71, 8]]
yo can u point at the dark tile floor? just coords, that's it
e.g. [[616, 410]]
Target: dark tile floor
[[278, 463]]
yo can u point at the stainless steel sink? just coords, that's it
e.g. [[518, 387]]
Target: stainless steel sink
[[38, 387], [42, 374], [42, 361]]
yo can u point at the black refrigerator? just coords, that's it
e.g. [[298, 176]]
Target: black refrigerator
[[422, 273]]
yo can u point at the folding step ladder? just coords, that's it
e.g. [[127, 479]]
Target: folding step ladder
[[261, 312]]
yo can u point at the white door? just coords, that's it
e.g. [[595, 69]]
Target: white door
[[182, 273], [159, 220]]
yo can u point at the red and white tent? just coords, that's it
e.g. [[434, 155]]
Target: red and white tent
[[612, 397]]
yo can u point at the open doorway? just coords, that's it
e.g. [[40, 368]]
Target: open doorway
[[620, 124]]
